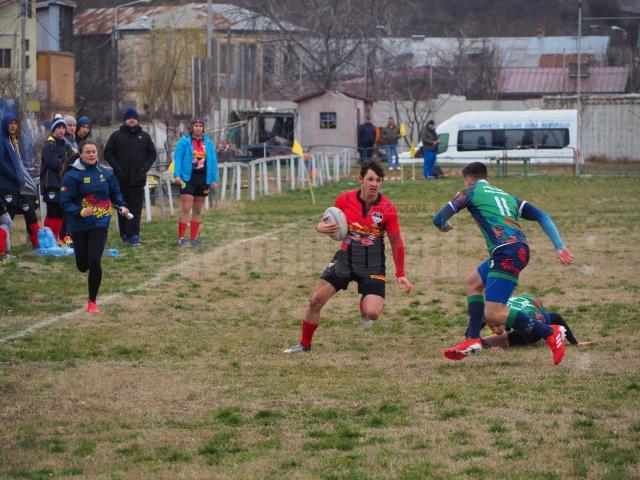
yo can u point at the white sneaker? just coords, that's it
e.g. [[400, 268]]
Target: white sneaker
[[366, 322], [297, 349]]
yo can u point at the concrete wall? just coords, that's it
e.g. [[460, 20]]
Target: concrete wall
[[346, 131], [49, 19], [610, 125]]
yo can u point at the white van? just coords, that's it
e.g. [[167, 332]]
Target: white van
[[542, 136]]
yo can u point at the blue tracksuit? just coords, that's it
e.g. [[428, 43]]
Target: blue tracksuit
[[86, 185]]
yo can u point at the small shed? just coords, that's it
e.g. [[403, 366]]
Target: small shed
[[329, 119]]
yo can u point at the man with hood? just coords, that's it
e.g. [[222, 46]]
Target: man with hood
[[26, 201], [131, 153], [11, 177], [83, 130]]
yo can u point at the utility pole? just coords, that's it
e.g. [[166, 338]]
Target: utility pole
[[578, 99], [23, 57], [209, 63]]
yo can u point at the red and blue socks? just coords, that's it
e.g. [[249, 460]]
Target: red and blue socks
[[524, 323], [475, 321], [193, 232], [182, 230]]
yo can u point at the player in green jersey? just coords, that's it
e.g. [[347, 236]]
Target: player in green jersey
[[497, 213], [532, 306]]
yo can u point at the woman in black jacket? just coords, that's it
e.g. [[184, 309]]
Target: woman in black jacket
[[54, 153]]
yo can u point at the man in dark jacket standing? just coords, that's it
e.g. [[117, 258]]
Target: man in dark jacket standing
[[130, 152], [430, 143], [366, 139], [389, 137]]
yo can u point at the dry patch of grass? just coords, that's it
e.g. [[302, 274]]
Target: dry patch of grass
[[185, 379]]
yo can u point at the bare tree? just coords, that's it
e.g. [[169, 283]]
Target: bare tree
[[336, 38], [472, 71], [166, 88], [95, 74], [9, 84]]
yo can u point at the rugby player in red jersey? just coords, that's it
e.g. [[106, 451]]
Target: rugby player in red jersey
[[361, 257]]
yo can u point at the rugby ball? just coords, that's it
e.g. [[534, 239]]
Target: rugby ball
[[335, 216]]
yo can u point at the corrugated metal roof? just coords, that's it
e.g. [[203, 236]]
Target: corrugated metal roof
[[512, 51], [99, 21], [541, 81]]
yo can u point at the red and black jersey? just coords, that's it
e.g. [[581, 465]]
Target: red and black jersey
[[367, 223], [199, 154]]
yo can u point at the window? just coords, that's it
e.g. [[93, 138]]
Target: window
[[5, 58], [444, 142], [473, 140], [551, 137], [268, 60], [498, 139], [328, 119], [26, 44], [26, 61]]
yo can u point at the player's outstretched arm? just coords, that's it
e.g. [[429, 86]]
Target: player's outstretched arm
[[441, 219], [529, 212], [565, 256]]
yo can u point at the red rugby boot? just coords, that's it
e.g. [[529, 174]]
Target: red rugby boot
[[470, 346], [556, 343]]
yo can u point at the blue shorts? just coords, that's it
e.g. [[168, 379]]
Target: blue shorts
[[500, 273]]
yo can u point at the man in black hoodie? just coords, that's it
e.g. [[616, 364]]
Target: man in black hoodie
[[130, 152]]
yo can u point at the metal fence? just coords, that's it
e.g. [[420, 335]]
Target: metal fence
[[252, 180]]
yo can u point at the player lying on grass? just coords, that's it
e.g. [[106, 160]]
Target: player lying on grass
[[361, 257], [531, 306], [497, 214]]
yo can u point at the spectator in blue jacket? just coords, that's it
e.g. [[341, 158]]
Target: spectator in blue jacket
[[196, 170], [89, 192], [11, 178], [18, 191]]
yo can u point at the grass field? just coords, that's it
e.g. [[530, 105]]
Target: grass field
[[182, 377]]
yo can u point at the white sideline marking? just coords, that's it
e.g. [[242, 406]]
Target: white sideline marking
[[110, 298]]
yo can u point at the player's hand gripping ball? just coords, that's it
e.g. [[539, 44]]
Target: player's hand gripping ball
[[335, 216]]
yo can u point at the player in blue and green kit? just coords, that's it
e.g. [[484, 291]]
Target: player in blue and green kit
[[497, 213], [532, 306]]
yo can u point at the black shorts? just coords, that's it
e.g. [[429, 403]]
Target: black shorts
[[520, 339], [10, 199], [339, 274], [28, 203], [51, 195], [196, 186]]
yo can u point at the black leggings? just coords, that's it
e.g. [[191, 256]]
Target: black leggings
[[54, 210], [30, 216], [88, 246]]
